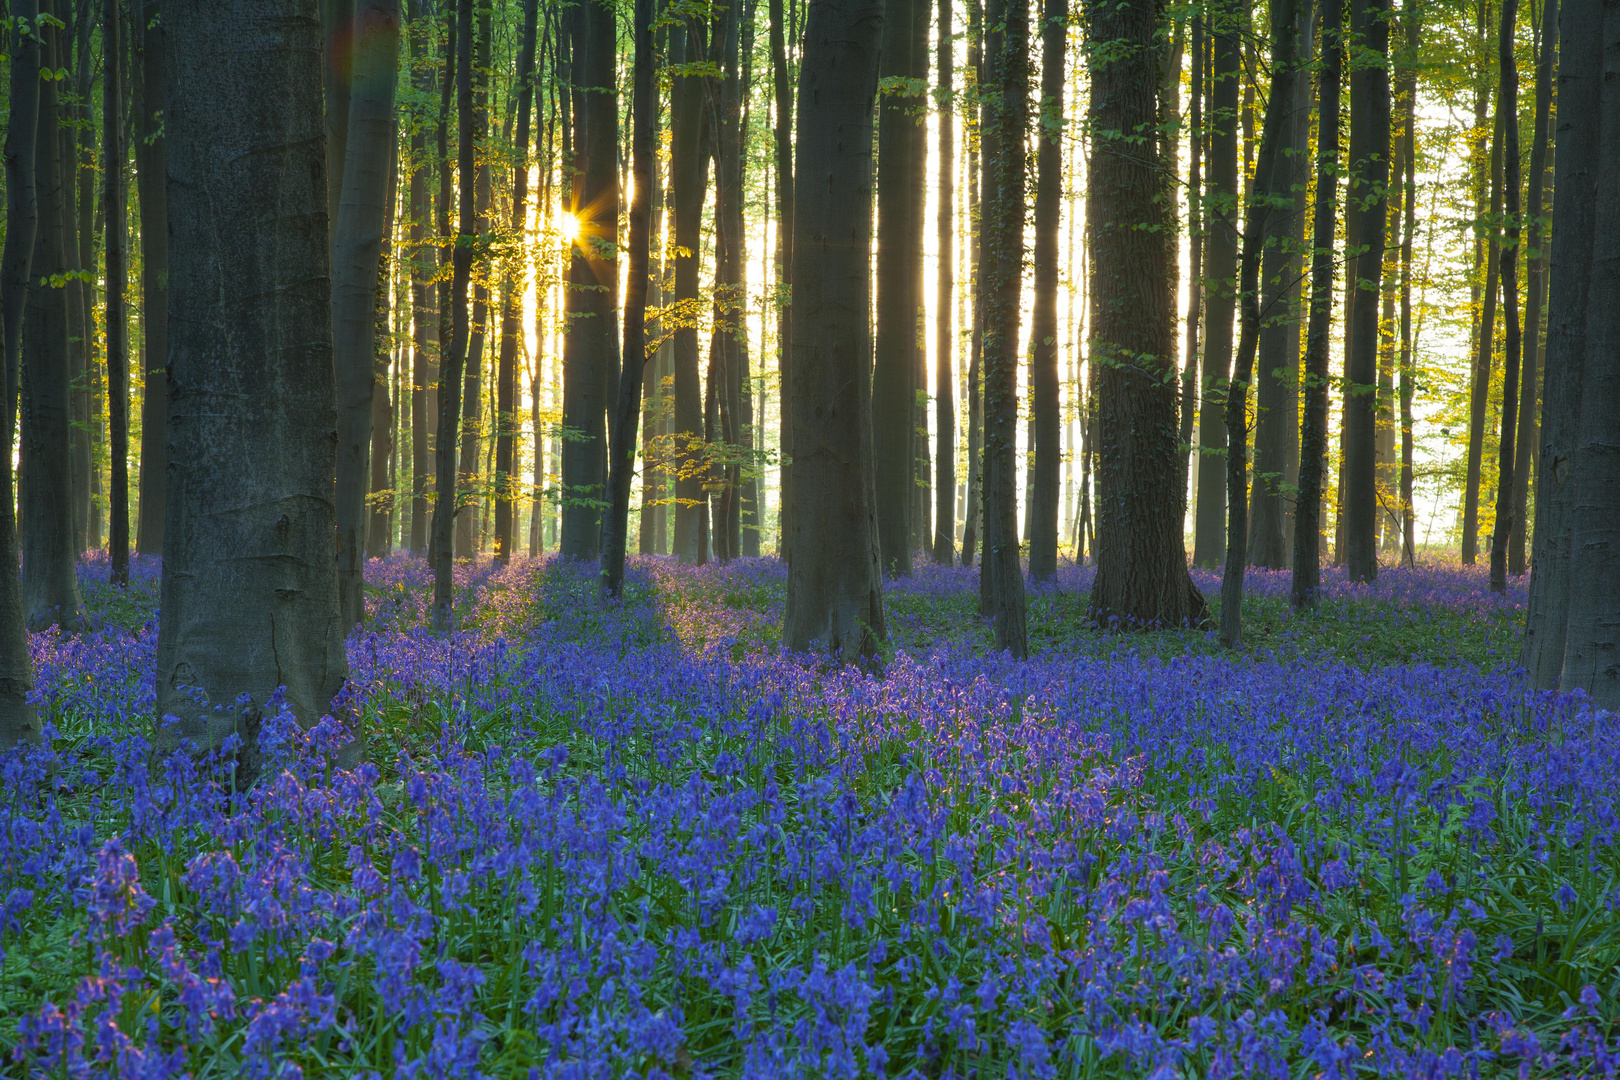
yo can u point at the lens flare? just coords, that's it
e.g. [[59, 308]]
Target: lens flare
[[567, 227]]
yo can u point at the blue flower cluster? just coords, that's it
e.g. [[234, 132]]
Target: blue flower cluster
[[630, 840]]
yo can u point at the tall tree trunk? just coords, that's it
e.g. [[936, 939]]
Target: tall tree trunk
[[727, 355], [944, 335], [117, 341], [1307, 579], [1592, 638], [893, 393], [50, 587], [469, 477], [689, 167], [1276, 429], [19, 721], [442, 543], [835, 580], [151, 193], [922, 459], [972, 501], [356, 253], [1043, 329], [1142, 577], [1413, 20], [424, 314], [1534, 289], [1196, 243], [1267, 188], [1484, 357], [380, 498], [337, 54], [79, 176], [1220, 304], [622, 461], [1004, 242], [782, 89], [1360, 507], [249, 597], [1508, 109], [506, 423], [1569, 299]]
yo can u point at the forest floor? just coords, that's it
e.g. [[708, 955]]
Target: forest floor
[[635, 839]]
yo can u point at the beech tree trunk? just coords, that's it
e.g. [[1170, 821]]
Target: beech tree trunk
[[972, 503], [1479, 394], [1043, 330], [50, 586], [1307, 578], [1535, 289], [1413, 18], [689, 169], [249, 607], [425, 342], [117, 332], [356, 253], [1142, 577], [1196, 243], [944, 544], [1266, 190], [782, 90], [469, 477], [1220, 276], [151, 192], [19, 721], [1592, 638], [893, 390], [1508, 109], [835, 580], [1360, 507]]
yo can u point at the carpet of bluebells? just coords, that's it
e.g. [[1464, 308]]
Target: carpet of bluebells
[[636, 840]]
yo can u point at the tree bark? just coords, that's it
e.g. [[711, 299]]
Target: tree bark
[[1043, 329], [1196, 243], [442, 544], [19, 721], [1307, 578], [151, 192], [1535, 289], [380, 497], [1413, 17], [835, 580], [1276, 429], [922, 468], [782, 89], [1266, 190], [1592, 638], [117, 334], [79, 178], [51, 586], [424, 315], [1142, 577], [689, 168], [356, 254], [469, 477], [1220, 303], [944, 335], [1360, 506], [972, 502], [622, 461], [1508, 265], [1484, 357], [893, 392], [249, 607]]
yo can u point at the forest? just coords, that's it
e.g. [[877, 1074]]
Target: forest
[[709, 538]]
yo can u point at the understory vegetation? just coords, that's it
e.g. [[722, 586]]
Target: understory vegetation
[[635, 839]]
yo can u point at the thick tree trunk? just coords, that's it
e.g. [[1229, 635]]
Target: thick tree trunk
[[1480, 388], [506, 423], [1360, 507], [1043, 329], [1580, 78], [1268, 188], [1142, 577], [249, 607], [151, 192], [689, 168], [442, 543], [51, 586], [1592, 636], [893, 392], [1307, 579], [1220, 274], [356, 254], [1508, 109], [19, 720], [944, 545], [1535, 287], [1276, 429], [835, 580], [117, 332], [622, 461], [782, 89]]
